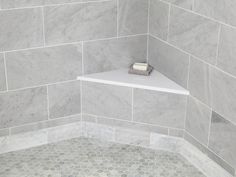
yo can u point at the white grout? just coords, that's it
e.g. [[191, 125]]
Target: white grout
[[117, 18], [132, 104], [48, 103], [218, 45], [5, 68], [148, 30], [168, 27], [43, 26]]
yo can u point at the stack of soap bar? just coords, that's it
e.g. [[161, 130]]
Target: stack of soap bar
[[140, 66]]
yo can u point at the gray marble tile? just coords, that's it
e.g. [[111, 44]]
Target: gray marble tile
[[112, 54], [188, 4], [4, 132], [169, 61], [6, 4], [45, 124], [223, 89], [198, 120], [159, 108], [133, 17], [64, 99], [176, 132], [221, 10], [21, 28], [71, 23], [226, 57], [2, 74], [222, 138], [89, 118], [24, 106], [43, 66], [132, 125], [107, 100], [194, 34], [158, 19], [199, 80]]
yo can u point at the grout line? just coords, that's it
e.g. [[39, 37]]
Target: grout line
[[148, 30], [81, 99], [74, 43], [193, 5], [188, 76], [5, 67], [132, 103], [48, 105], [82, 58], [147, 58], [43, 23], [186, 111], [168, 26], [218, 45], [209, 129], [117, 18]]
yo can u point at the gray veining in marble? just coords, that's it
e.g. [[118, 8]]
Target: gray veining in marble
[[223, 94], [86, 21], [96, 158], [158, 19], [133, 17], [226, 57], [21, 29], [188, 4], [24, 106], [169, 61], [221, 10], [64, 99], [159, 108], [194, 34], [43, 66], [2, 74], [198, 120], [112, 54], [107, 100], [199, 80], [222, 138]]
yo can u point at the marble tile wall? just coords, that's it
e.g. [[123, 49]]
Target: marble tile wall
[[193, 43], [46, 44]]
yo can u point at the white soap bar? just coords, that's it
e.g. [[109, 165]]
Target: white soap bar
[[140, 66]]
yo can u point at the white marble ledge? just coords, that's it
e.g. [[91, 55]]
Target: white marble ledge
[[156, 81]]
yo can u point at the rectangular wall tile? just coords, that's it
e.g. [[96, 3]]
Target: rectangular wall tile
[[220, 10], [64, 99], [6, 4], [169, 61], [198, 120], [107, 100], [70, 23], [199, 80], [21, 28], [188, 4], [24, 106], [112, 54], [133, 17], [2, 74], [226, 57], [194, 34], [158, 19], [43, 66], [223, 94], [222, 138], [159, 108]]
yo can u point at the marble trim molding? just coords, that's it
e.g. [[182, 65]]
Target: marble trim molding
[[115, 134]]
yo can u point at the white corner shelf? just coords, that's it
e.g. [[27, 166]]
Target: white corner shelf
[[156, 81]]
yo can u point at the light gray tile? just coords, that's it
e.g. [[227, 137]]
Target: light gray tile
[[194, 34], [89, 118], [107, 100], [30, 3], [188, 4], [24, 106], [222, 138], [70, 23], [198, 120], [168, 60], [112, 54], [223, 94], [133, 17], [132, 125], [158, 19], [226, 57], [45, 124], [21, 28], [176, 132], [64, 99], [159, 108], [4, 132], [220, 10], [2, 74], [43, 66], [199, 80]]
